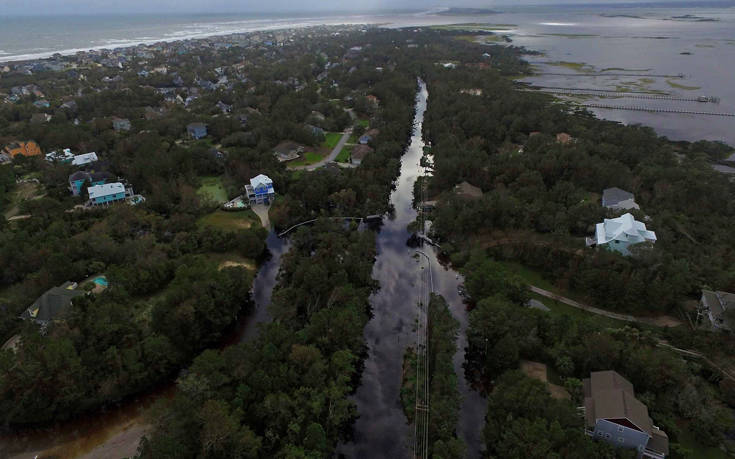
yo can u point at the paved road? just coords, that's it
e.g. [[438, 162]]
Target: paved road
[[660, 321], [331, 157]]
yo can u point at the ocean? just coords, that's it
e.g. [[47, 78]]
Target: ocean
[[616, 48]]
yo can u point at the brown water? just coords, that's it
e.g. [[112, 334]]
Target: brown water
[[115, 431]]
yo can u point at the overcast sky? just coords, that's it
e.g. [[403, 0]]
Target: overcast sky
[[13, 7]]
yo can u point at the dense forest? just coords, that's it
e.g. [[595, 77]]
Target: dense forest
[[541, 197], [285, 393], [502, 332], [537, 197]]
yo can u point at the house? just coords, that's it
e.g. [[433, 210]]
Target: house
[[364, 139], [197, 130], [120, 124], [79, 178], [564, 138], [107, 193], [467, 191], [315, 130], [27, 148], [64, 156], [86, 158], [358, 154], [5, 158], [53, 304], [224, 108], [718, 310], [260, 190], [39, 118], [615, 198], [287, 151], [618, 234], [372, 100], [613, 414]]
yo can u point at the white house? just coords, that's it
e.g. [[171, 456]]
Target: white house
[[107, 193], [86, 158], [260, 190], [618, 234]]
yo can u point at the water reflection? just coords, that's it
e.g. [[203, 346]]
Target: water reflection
[[381, 430]]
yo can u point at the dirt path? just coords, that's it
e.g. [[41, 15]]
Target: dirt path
[[262, 212], [659, 321]]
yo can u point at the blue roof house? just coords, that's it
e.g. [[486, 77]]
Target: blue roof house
[[197, 130], [260, 190], [79, 178]]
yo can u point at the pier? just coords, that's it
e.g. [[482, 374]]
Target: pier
[[656, 110], [646, 75], [627, 95]]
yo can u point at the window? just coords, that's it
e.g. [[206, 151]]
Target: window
[[607, 435], [620, 428], [599, 433], [621, 440]]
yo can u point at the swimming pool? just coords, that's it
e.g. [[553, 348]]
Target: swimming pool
[[101, 281]]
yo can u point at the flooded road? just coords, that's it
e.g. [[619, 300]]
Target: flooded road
[[382, 429]]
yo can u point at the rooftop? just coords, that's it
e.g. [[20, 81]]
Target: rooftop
[[98, 191]]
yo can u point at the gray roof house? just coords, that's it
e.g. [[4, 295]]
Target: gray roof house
[[197, 130], [120, 124], [713, 308], [53, 304], [615, 198], [613, 414]]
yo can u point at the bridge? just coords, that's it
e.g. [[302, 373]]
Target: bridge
[[369, 218]]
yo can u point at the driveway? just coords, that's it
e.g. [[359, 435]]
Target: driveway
[[329, 158]]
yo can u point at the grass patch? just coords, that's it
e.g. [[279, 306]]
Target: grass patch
[[308, 158], [22, 192], [230, 221], [621, 69], [687, 440], [363, 123], [331, 139], [225, 260], [344, 155], [213, 190], [474, 27], [353, 139], [576, 66], [570, 35], [676, 85]]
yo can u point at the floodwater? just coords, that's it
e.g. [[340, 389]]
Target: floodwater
[[381, 429], [115, 431]]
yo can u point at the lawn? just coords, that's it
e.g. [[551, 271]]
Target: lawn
[[308, 158], [230, 221], [364, 123], [331, 139], [22, 192], [344, 155], [213, 190]]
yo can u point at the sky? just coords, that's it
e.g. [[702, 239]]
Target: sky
[[53, 7]]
